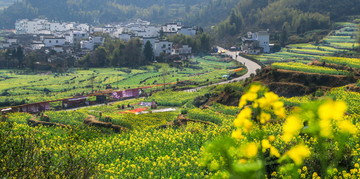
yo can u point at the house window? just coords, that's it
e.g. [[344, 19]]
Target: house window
[[164, 46], [57, 41], [83, 35], [49, 41]]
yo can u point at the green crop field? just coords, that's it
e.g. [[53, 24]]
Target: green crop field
[[307, 68], [341, 40], [19, 87]]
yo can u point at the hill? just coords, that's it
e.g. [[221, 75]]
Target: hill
[[288, 16], [193, 12]]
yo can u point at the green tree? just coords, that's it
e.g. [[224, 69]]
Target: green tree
[[148, 52], [20, 56], [284, 34], [134, 56]]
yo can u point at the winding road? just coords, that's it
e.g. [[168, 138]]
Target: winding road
[[250, 65]]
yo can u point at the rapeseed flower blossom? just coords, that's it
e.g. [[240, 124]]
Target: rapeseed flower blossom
[[291, 127], [244, 120], [298, 153], [272, 138], [264, 117], [251, 150], [346, 126], [237, 134], [332, 110]]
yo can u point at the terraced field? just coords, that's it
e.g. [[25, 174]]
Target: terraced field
[[341, 40], [17, 87]]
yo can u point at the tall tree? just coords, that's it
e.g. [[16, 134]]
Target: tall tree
[[148, 52], [284, 34], [133, 56], [20, 56]]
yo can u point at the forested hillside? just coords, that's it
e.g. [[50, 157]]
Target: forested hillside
[[192, 12], [296, 16]]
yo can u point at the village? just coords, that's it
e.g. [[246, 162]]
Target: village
[[77, 39]]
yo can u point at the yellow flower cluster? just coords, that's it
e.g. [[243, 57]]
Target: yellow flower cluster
[[291, 127], [331, 114], [298, 153], [266, 144]]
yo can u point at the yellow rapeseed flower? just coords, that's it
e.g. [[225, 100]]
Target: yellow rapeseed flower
[[237, 134], [356, 165], [279, 109], [291, 126], [269, 99], [243, 115], [272, 138], [325, 128], [254, 88], [299, 153], [247, 97], [264, 117], [265, 144], [346, 126], [248, 125], [251, 150], [274, 151], [332, 110]]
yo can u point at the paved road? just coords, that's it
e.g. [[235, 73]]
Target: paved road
[[250, 65]]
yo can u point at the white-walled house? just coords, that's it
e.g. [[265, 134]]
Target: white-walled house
[[92, 43], [83, 27], [150, 31], [171, 28], [76, 36], [264, 38], [187, 31], [54, 41], [255, 43], [163, 46], [25, 26], [21, 26], [125, 37], [55, 27], [181, 50]]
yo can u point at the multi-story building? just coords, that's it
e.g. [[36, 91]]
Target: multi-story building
[[255, 43], [54, 41], [163, 46]]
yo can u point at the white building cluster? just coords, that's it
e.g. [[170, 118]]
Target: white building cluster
[[57, 35]]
